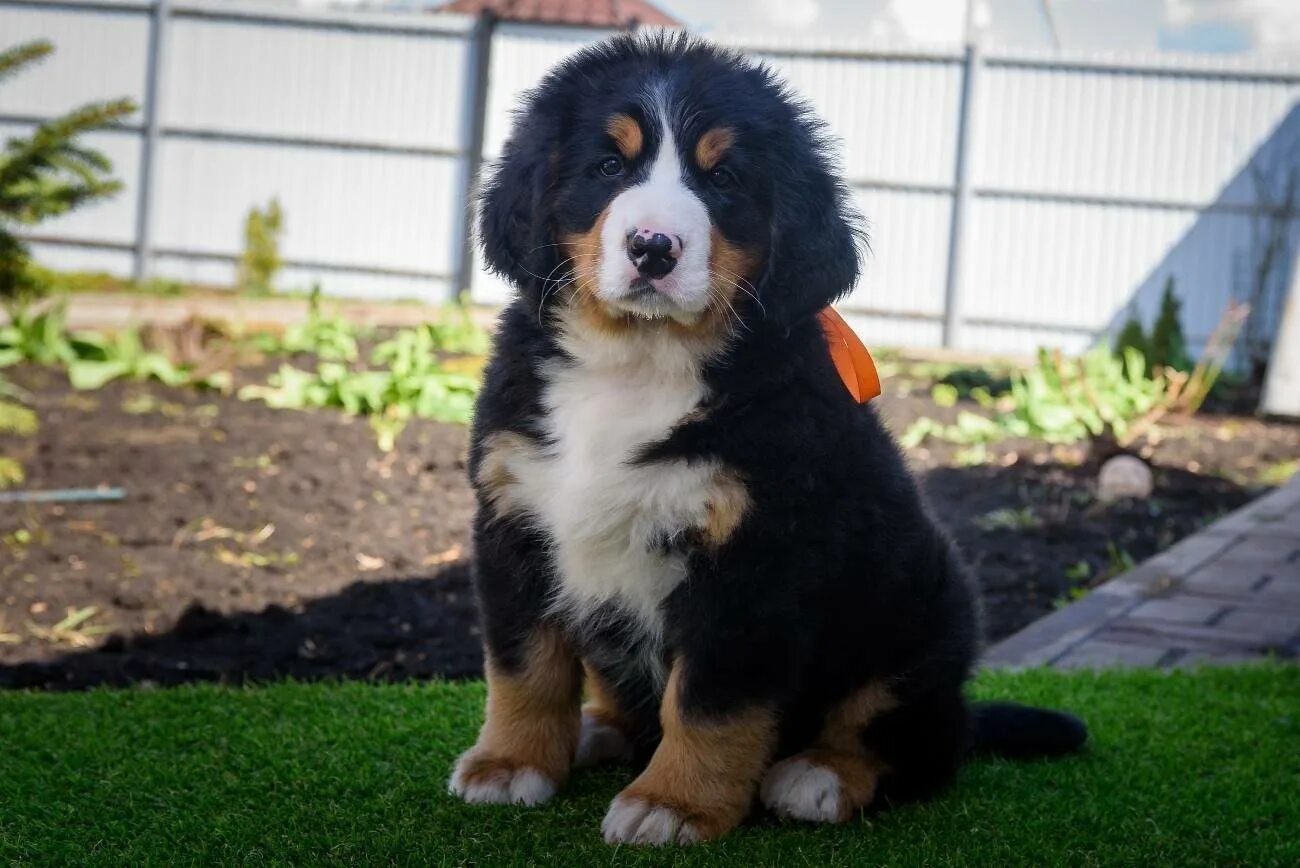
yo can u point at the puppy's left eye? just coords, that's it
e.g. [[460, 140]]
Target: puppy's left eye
[[611, 166], [721, 179]]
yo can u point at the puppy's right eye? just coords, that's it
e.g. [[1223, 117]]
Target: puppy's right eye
[[611, 166]]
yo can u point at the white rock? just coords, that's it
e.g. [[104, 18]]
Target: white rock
[[1124, 476]]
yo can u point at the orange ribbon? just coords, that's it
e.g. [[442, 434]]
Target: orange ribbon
[[854, 364]]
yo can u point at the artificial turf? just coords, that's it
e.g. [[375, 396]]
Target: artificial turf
[[1183, 768]]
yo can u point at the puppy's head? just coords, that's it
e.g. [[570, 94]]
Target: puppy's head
[[664, 180]]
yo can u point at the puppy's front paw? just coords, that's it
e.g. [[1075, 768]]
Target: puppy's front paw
[[480, 778], [632, 820], [804, 790]]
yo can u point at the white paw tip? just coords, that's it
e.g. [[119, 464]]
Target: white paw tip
[[802, 790], [523, 786], [631, 821], [598, 742]]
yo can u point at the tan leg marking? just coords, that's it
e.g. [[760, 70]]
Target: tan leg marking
[[700, 781], [527, 742], [837, 775], [495, 478], [726, 508], [604, 733]]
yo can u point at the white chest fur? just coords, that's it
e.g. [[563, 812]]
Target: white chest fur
[[606, 517]]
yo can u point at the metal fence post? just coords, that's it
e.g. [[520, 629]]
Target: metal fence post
[[473, 122], [155, 65], [962, 193]]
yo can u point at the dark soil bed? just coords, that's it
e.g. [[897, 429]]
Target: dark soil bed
[[257, 543]]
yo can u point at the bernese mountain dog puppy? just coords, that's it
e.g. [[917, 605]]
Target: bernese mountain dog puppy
[[682, 512]]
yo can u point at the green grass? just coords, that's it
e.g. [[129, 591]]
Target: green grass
[[1184, 768]]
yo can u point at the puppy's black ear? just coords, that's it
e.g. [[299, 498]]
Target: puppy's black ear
[[816, 233], [514, 222]]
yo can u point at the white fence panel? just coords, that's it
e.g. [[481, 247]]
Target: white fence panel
[[341, 207], [1099, 182], [390, 88], [894, 117], [905, 266], [99, 55], [1094, 131]]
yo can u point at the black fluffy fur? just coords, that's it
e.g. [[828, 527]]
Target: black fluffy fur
[[838, 577]]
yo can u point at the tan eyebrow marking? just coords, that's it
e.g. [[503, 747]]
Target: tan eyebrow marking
[[712, 146], [626, 133]]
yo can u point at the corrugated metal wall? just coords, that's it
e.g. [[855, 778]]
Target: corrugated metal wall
[[1092, 178]]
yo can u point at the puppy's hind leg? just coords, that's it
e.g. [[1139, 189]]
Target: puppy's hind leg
[[837, 775], [603, 736], [700, 782]]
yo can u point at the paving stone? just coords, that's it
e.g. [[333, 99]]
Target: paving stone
[[1275, 595], [1264, 551], [1157, 574], [1180, 608], [1097, 654], [1272, 627], [1190, 659], [1052, 635], [1276, 514], [1288, 572], [1225, 578], [1167, 634]]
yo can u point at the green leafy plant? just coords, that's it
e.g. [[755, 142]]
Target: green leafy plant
[[16, 418], [1064, 400], [1059, 400], [1080, 571], [1119, 560], [332, 338], [971, 382], [944, 394], [47, 174], [408, 381], [92, 359], [260, 261], [970, 428], [454, 330], [39, 337], [1009, 519], [19, 420], [103, 358], [11, 472]]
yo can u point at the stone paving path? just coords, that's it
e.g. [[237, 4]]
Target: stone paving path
[[1226, 594]]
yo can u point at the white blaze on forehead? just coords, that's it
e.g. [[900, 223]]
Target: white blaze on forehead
[[662, 202]]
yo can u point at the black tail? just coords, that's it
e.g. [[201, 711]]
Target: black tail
[[1014, 731]]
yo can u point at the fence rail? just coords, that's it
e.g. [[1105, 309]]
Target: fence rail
[[1014, 198]]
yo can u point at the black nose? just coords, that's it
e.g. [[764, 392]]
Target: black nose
[[651, 255]]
